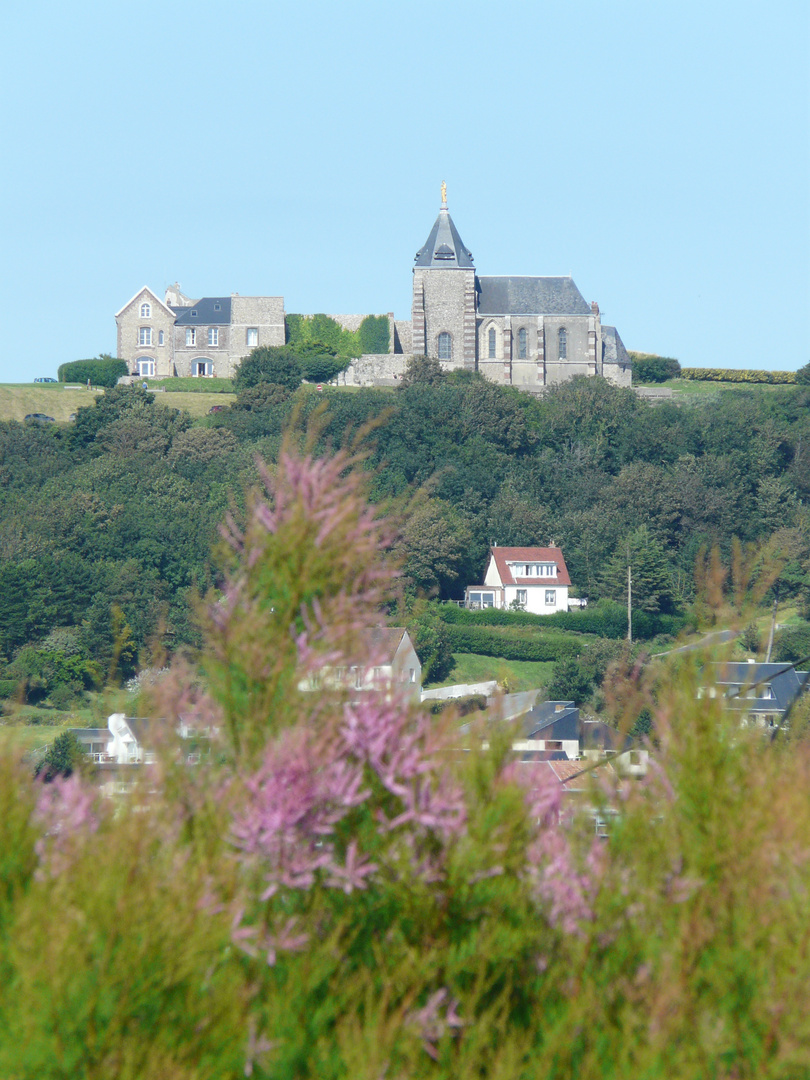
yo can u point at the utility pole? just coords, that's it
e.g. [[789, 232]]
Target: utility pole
[[629, 603]]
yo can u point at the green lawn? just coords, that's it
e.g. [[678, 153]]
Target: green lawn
[[686, 388], [52, 399], [195, 404], [519, 674]]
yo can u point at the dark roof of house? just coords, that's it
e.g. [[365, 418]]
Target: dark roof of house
[[546, 715], [613, 350], [785, 683], [444, 248], [209, 311], [563, 725], [530, 296], [504, 555], [141, 727]]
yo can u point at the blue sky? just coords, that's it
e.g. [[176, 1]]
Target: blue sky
[[656, 152]]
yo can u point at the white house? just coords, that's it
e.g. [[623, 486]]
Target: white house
[[388, 661], [532, 578]]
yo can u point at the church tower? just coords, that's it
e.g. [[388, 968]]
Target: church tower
[[444, 295]]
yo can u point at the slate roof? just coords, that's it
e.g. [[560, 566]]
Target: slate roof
[[562, 726], [505, 555], [613, 350], [530, 296], [444, 248], [205, 312], [785, 682]]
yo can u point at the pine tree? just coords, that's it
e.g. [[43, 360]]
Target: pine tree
[[651, 579]]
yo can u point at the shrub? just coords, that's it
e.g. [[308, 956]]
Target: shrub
[[736, 375], [103, 371], [486, 643], [803, 375], [648, 368], [277, 364]]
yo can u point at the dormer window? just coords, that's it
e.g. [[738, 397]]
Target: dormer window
[[146, 311], [194, 314], [217, 306]]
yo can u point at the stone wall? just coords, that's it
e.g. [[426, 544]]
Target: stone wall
[[384, 369], [129, 322]]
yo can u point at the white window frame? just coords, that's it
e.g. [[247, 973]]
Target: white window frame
[[551, 597], [191, 336], [161, 338], [146, 310], [213, 336], [252, 337], [522, 596], [209, 367], [144, 337], [147, 364]]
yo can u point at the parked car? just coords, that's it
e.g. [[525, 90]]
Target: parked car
[[45, 378], [217, 408], [40, 417]]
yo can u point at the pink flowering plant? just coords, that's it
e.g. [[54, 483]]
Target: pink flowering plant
[[342, 885]]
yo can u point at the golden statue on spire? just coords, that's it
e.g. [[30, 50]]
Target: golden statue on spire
[[444, 193]]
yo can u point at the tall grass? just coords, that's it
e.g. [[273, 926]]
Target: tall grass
[[335, 890]]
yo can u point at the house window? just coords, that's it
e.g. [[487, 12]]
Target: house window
[[562, 343], [358, 678], [202, 367], [412, 672], [217, 306], [146, 311], [445, 346], [161, 338], [145, 335], [551, 596], [481, 599], [522, 596], [146, 368], [252, 337], [191, 336], [213, 335], [491, 339], [523, 343]]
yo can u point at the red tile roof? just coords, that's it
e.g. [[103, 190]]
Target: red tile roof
[[504, 555]]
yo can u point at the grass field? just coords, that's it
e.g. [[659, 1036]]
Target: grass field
[[52, 399], [686, 388], [519, 674], [17, 400]]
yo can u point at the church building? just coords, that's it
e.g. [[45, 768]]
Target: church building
[[527, 332]]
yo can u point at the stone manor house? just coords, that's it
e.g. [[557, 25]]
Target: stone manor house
[[528, 332]]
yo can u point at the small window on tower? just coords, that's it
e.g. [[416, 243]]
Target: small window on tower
[[445, 346], [562, 340]]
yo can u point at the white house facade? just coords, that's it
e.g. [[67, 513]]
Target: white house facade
[[533, 579]]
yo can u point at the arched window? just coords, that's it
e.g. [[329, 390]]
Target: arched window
[[562, 343], [445, 346], [523, 343], [492, 342], [146, 311]]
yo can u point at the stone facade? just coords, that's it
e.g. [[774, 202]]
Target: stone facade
[[206, 337], [528, 332]]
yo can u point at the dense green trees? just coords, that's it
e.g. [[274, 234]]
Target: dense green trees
[[120, 510]]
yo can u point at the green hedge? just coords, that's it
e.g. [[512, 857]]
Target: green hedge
[[649, 368], [736, 375], [484, 642], [190, 385], [103, 371], [606, 619]]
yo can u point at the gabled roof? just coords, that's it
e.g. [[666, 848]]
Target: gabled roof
[[383, 641], [209, 311], [139, 294], [444, 249], [530, 296], [504, 555]]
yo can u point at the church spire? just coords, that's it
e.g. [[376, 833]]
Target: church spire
[[444, 248]]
